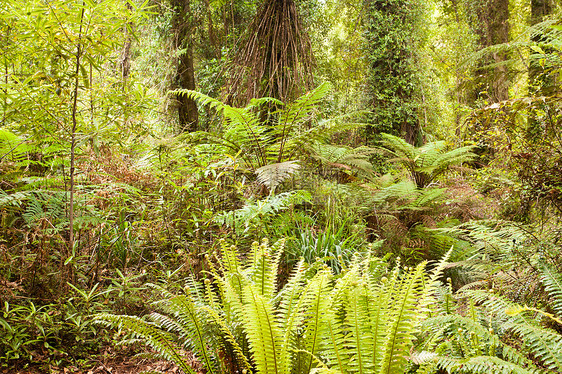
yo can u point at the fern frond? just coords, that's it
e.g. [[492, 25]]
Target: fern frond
[[552, 282], [290, 301], [399, 147], [422, 357], [480, 365], [432, 284], [150, 334], [273, 174], [264, 265], [251, 212], [190, 323], [300, 111], [314, 314], [264, 336], [334, 341], [343, 157], [427, 162], [229, 336], [359, 340], [402, 321], [544, 344], [322, 132]]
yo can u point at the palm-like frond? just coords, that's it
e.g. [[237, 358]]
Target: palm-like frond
[[272, 175], [343, 157], [279, 137], [406, 196], [427, 162]]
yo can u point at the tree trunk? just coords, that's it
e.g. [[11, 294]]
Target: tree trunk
[[188, 115], [275, 58], [125, 60], [492, 28], [394, 85], [537, 81]]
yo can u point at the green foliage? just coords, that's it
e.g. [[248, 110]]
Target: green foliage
[[480, 328], [347, 159], [257, 214], [426, 163], [337, 249], [261, 137], [483, 340], [364, 320], [394, 37], [512, 256], [63, 330], [373, 319]]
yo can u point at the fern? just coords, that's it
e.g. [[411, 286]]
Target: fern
[[254, 213], [474, 343], [372, 320], [553, 285], [505, 253], [283, 136], [402, 322], [273, 174], [480, 364], [268, 349], [343, 157], [426, 163], [360, 322], [151, 334]]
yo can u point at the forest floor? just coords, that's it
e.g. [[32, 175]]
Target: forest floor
[[123, 362], [116, 365]]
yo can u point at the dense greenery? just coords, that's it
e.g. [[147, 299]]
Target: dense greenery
[[394, 207]]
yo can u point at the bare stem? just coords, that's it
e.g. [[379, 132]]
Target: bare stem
[[73, 132]]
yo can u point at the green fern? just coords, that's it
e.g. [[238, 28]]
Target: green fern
[[552, 282], [426, 163], [373, 319], [254, 213], [151, 334], [282, 136], [479, 342], [343, 157], [361, 322]]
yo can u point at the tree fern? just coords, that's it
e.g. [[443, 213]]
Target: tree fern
[[426, 163], [280, 137], [273, 174], [335, 156]]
